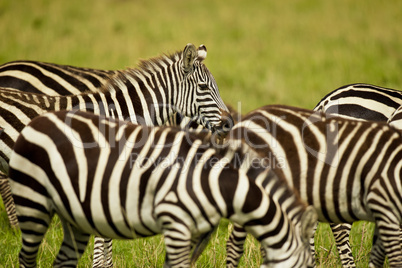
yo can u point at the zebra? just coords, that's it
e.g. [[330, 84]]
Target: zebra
[[361, 101], [349, 170], [52, 79], [62, 80], [150, 94], [127, 181], [364, 102]]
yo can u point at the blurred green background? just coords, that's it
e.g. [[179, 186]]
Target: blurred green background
[[288, 52], [261, 52]]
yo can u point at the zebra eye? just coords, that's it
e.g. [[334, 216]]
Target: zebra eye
[[203, 85]]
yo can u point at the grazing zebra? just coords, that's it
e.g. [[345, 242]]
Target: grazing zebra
[[149, 94], [126, 181], [364, 102], [349, 170], [52, 79]]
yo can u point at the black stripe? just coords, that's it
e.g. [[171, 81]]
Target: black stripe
[[17, 83], [357, 111]]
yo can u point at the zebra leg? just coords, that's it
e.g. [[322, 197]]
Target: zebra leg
[[387, 244], [5, 192], [73, 246], [33, 230], [99, 252], [377, 256], [235, 245], [108, 253], [341, 234], [178, 246]]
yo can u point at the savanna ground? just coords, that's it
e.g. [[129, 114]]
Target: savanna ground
[[277, 52]]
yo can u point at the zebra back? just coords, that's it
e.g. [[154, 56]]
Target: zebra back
[[395, 120], [127, 181], [51, 79], [361, 101]]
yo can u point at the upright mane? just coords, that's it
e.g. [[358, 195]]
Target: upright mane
[[145, 67]]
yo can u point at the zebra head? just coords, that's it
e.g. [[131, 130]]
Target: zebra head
[[201, 94]]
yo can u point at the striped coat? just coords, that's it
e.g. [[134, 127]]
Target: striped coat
[[348, 170], [148, 95], [52, 79], [126, 181]]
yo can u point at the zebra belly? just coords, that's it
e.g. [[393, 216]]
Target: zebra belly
[[104, 228]]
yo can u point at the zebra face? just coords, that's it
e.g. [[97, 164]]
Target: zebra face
[[202, 93]]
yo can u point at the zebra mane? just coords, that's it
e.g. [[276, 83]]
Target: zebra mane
[[145, 67]]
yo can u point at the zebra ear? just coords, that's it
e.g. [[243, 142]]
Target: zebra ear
[[189, 55], [202, 53], [308, 224]]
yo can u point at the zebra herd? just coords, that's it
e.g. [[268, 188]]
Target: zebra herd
[[122, 155]]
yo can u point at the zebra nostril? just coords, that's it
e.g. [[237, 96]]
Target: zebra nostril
[[228, 124], [226, 127]]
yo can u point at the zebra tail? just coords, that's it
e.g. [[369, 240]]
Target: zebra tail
[[201, 245]]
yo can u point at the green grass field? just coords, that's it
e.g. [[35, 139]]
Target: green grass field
[[280, 52]]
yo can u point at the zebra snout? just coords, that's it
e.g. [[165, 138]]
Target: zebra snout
[[226, 123]]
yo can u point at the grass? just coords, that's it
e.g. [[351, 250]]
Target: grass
[[287, 52]]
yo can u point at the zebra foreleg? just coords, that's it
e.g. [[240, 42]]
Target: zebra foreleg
[[235, 246], [178, 245], [73, 246], [341, 234], [32, 233], [377, 256], [389, 238]]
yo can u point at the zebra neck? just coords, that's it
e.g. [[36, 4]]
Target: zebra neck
[[129, 104], [148, 95]]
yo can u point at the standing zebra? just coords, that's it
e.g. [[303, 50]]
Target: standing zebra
[[149, 94], [364, 102], [52, 79], [126, 181], [348, 170]]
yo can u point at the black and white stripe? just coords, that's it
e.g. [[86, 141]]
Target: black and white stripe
[[395, 119], [363, 102], [126, 181], [149, 94], [52, 79], [348, 170]]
